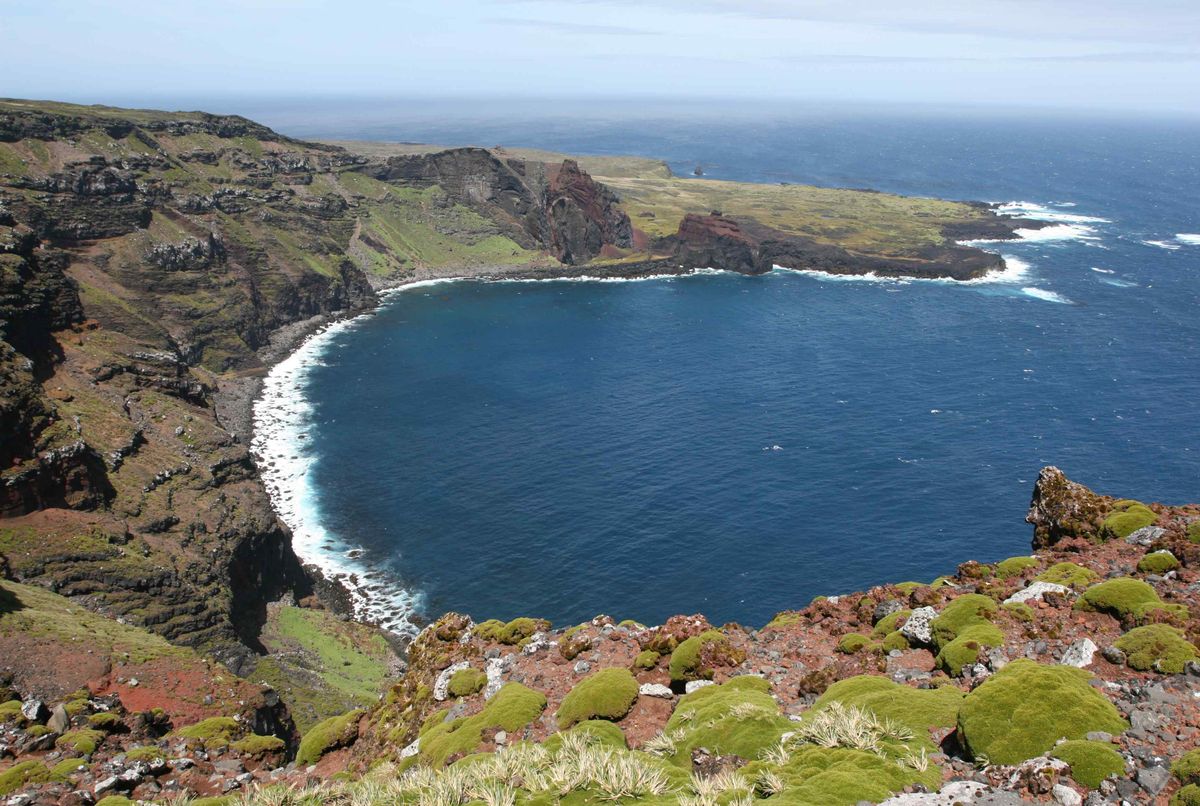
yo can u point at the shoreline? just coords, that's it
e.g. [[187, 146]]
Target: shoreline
[[269, 406]]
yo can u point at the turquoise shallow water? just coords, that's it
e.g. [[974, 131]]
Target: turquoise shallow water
[[735, 445]]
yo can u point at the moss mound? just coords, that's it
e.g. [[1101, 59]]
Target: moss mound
[[1187, 767], [1018, 610], [512, 632], [852, 642], [1127, 517], [1193, 532], [147, 753], [10, 711], [738, 717], [1123, 598], [83, 741], [694, 658], [964, 649], [965, 611], [1022, 710], [607, 694], [1188, 796], [116, 800], [255, 745], [962, 629], [890, 623], [1091, 762], [599, 731], [107, 721], [646, 659], [512, 708], [919, 710], [466, 682], [327, 735], [836, 776], [894, 640], [1158, 562], [67, 767], [21, 775], [1014, 566], [213, 733], [1156, 646], [1068, 574]]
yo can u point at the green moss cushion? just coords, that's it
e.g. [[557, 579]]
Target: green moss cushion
[[1122, 597], [1069, 574], [512, 708], [466, 682], [1025, 708], [1091, 762], [327, 735], [738, 717], [1158, 562], [1156, 646], [917, 709], [607, 694], [965, 648], [1014, 566], [1127, 518], [687, 662]]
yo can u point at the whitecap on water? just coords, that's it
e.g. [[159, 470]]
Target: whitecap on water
[[1043, 294], [1189, 238], [1102, 271], [1040, 212], [1162, 244]]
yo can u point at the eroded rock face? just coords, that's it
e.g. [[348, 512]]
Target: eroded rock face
[[1062, 508], [107, 425], [559, 208]]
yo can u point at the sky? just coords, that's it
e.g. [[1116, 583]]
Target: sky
[[1119, 56]]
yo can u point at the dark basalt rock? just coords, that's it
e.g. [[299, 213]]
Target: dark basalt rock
[[745, 246]]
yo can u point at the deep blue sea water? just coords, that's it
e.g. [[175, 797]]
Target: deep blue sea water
[[734, 445]]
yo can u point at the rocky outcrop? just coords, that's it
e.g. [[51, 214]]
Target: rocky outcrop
[[748, 247], [559, 208], [1062, 509]]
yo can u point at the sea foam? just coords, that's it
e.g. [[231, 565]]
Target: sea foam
[[1043, 294], [283, 418], [1189, 238]]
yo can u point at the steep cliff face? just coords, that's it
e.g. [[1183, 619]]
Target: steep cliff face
[[144, 259], [555, 207]]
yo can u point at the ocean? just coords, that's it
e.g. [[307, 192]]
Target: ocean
[[735, 445]]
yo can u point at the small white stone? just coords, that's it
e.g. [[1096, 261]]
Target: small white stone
[[918, 627], [1036, 590], [655, 690], [695, 685], [412, 749], [1080, 653], [1066, 795]]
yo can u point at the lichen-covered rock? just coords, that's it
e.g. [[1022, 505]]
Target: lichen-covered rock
[[1062, 508]]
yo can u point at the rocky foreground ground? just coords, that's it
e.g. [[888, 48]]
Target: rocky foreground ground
[[1067, 676]]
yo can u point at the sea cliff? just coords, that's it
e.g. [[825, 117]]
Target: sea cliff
[[154, 264]]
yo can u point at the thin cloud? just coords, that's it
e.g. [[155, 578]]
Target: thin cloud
[[559, 27], [1128, 57]]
